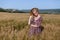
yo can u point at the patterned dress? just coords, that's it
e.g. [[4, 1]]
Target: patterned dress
[[35, 24]]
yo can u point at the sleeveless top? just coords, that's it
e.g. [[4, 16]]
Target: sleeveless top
[[35, 21]]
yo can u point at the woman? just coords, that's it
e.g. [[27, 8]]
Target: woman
[[34, 22]]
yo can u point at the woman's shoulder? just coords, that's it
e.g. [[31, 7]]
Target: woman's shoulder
[[39, 16], [30, 17]]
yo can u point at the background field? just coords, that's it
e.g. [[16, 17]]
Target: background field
[[13, 26]]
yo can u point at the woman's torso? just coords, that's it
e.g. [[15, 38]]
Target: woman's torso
[[35, 20]]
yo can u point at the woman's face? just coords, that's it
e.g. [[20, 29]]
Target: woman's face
[[35, 12]]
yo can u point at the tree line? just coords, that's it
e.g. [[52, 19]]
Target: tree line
[[11, 10]]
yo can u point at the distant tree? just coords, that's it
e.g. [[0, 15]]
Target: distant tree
[[2, 10]]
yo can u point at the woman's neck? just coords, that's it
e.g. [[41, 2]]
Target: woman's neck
[[36, 16]]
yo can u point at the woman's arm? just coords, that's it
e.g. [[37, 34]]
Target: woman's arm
[[29, 21], [34, 25]]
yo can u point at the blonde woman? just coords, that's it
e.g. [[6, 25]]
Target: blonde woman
[[34, 22]]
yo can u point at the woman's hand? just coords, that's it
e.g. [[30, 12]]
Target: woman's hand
[[34, 25]]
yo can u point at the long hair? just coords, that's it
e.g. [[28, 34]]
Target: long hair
[[31, 12]]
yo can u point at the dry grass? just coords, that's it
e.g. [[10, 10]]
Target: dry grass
[[14, 27]]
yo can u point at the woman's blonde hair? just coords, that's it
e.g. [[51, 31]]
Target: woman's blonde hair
[[31, 12]]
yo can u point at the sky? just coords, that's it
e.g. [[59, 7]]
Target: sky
[[28, 4]]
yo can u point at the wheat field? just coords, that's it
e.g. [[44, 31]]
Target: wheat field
[[14, 26]]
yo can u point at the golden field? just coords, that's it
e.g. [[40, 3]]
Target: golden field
[[14, 26]]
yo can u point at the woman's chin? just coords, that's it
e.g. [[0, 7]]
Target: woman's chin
[[36, 15]]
